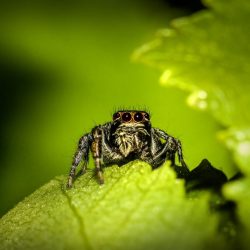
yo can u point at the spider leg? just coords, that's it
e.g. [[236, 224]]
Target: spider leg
[[110, 155], [166, 148], [179, 153], [96, 149], [172, 144], [82, 152]]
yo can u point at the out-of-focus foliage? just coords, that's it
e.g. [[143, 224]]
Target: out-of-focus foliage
[[65, 67], [208, 55], [136, 208], [239, 191]]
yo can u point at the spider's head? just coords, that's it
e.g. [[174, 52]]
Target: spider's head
[[131, 130], [131, 117]]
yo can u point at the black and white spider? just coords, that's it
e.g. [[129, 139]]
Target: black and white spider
[[128, 137]]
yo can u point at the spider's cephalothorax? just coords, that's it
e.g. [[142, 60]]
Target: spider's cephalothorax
[[128, 137]]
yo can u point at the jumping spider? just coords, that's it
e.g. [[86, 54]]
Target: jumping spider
[[128, 137]]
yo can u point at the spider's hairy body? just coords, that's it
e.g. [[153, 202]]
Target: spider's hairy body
[[128, 137]]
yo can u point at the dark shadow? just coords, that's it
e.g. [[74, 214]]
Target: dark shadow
[[189, 5]]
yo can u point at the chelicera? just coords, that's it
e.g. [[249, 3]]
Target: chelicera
[[128, 137]]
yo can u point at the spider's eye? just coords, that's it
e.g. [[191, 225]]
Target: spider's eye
[[116, 116], [146, 115], [126, 117], [138, 117]]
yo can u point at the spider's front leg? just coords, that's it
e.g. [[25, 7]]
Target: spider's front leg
[[96, 147], [180, 154], [172, 145], [82, 152], [103, 152]]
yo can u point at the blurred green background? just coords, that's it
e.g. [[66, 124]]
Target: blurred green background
[[65, 67]]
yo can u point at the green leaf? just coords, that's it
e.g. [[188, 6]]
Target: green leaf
[[136, 208], [207, 54], [239, 191]]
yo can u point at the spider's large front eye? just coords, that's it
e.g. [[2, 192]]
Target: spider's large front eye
[[116, 116], [138, 117], [126, 117]]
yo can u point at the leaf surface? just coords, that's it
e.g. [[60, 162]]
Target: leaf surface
[[136, 208]]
